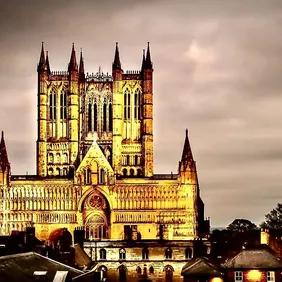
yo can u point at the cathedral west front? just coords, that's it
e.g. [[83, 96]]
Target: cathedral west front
[[95, 161]]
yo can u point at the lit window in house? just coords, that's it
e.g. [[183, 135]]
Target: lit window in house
[[270, 276], [168, 253], [103, 254], [122, 254], [238, 276]]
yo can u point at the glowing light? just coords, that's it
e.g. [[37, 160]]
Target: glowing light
[[254, 275], [216, 279]]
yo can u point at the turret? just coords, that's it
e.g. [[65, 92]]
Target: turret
[[41, 145], [187, 166], [48, 64], [147, 114], [73, 107], [42, 61], [4, 162], [81, 87], [117, 112], [81, 69]]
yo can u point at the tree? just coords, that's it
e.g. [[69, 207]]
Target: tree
[[273, 220], [238, 225]]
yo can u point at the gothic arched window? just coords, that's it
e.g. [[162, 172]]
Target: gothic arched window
[[126, 104], [52, 105], [137, 104], [168, 253], [124, 171], [110, 118], [122, 273], [63, 105], [145, 253], [103, 254], [95, 117], [151, 270], [89, 117], [138, 270], [105, 117], [88, 176], [102, 176], [122, 254], [168, 273]]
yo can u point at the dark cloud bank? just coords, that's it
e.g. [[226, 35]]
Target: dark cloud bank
[[218, 67]]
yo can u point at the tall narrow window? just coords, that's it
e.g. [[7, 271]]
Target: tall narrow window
[[102, 176], [52, 105], [110, 118], [95, 117], [127, 104], [145, 253], [63, 105], [137, 104], [89, 117], [105, 117]]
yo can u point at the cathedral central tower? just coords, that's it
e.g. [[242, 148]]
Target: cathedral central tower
[[117, 108]]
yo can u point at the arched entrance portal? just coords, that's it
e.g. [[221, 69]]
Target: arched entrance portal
[[96, 217]]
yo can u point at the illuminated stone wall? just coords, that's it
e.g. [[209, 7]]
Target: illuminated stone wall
[[95, 161]]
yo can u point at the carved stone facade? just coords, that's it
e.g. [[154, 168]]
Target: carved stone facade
[[95, 162]]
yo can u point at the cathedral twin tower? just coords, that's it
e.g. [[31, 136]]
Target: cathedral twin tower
[[75, 108]]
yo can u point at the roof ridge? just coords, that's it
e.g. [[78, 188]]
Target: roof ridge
[[57, 262], [16, 255]]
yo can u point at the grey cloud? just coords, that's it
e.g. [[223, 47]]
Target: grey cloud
[[217, 71]]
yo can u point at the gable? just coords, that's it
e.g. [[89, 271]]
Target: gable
[[94, 160]]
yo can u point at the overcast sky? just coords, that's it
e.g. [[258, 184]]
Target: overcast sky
[[217, 71]]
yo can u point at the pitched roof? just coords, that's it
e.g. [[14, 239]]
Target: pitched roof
[[254, 258], [200, 267], [21, 267], [81, 257]]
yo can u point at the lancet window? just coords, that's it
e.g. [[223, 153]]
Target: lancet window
[[95, 117], [122, 254], [103, 254], [104, 116], [90, 117], [145, 253], [63, 105], [137, 104], [87, 176], [52, 105], [127, 104], [110, 118]]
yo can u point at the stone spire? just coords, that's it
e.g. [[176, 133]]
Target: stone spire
[[4, 162], [187, 156], [116, 63], [42, 61], [47, 63], [148, 62], [73, 64]]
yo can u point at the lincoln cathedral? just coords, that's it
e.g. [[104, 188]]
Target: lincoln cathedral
[[95, 172]]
